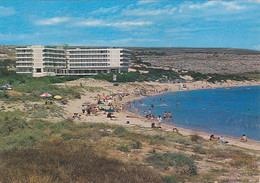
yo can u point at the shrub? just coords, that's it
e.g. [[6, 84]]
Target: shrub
[[124, 148], [196, 138], [22, 139], [120, 130], [137, 145], [199, 149], [182, 140], [182, 163], [11, 122], [66, 136], [170, 179]]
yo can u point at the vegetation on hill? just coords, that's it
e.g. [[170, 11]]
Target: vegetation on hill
[[161, 75], [31, 88], [203, 60], [216, 77]]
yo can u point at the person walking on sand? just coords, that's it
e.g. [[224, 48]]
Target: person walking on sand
[[83, 109], [159, 121], [244, 138], [164, 116]]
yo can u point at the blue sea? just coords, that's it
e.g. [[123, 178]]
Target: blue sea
[[228, 111]]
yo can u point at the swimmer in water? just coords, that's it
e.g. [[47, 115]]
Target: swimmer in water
[[163, 102], [176, 104], [140, 102], [144, 110], [170, 116], [150, 111], [152, 106]]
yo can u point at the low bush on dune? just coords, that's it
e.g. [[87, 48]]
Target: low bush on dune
[[182, 164], [60, 161], [170, 179], [34, 87], [21, 139]]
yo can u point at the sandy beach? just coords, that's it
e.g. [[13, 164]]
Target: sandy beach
[[93, 88]]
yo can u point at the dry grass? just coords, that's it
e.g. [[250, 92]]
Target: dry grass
[[63, 161]]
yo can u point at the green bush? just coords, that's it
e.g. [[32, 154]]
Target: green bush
[[124, 148], [198, 149], [183, 164], [11, 122], [182, 140], [66, 136], [120, 130], [170, 179], [196, 138], [137, 145], [4, 95], [21, 139]]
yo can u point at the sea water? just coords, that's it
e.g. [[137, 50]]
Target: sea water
[[229, 111]]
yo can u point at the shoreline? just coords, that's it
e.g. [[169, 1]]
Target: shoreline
[[138, 120], [190, 131], [193, 129]]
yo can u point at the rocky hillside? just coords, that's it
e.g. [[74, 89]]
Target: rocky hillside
[[203, 60]]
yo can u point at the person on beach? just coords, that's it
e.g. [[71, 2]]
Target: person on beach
[[159, 121], [175, 130], [222, 139], [212, 138], [83, 109], [244, 138], [170, 116], [164, 116], [88, 111]]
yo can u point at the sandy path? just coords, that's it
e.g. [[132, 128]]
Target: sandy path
[[74, 106]]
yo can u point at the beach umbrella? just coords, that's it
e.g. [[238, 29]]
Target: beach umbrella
[[110, 110], [109, 101], [45, 95], [57, 97], [101, 105]]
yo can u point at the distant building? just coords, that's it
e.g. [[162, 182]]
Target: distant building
[[42, 61], [3, 55]]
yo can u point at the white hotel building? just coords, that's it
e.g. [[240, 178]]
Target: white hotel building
[[44, 61]]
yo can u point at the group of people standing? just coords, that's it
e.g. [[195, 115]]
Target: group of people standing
[[166, 117]]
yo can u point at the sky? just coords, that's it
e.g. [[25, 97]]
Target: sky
[[143, 23]]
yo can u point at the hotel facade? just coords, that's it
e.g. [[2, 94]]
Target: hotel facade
[[41, 61]]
